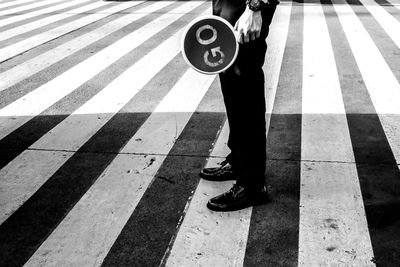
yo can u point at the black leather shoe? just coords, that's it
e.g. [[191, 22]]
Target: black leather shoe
[[221, 173], [238, 198]]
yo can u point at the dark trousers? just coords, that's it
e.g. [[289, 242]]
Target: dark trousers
[[244, 97]]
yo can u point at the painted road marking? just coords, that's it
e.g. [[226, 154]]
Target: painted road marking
[[332, 217], [13, 19], [168, 118], [115, 95], [34, 129], [206, 238], [159, 211], [64, 181], [276, 42], [69, 238], [48, 20], [73, 132], [219, 239], [13, 3], [31, 42], [38, 63], [283, 162], [387, 47], [21, 110], [388, 22], [395, 3], [381, 83], [18, 175], [377, 169], [25, 7]]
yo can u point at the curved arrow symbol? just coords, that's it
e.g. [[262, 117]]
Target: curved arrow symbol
[[214, 52]]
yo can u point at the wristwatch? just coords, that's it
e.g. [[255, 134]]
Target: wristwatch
[[255, 5]]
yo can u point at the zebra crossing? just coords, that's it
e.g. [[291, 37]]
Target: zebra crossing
[[104, 129]]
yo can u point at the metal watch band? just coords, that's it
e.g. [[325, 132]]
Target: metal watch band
[[255, 5]]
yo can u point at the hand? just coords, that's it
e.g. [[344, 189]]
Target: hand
[[248, 26]]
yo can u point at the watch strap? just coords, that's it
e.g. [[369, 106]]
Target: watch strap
[[255, 5]]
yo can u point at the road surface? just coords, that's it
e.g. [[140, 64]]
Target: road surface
[[104, 130]]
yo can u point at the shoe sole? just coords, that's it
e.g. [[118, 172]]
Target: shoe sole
[[238, 207], [208, 178]]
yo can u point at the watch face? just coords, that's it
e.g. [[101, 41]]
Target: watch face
[[255, 3]]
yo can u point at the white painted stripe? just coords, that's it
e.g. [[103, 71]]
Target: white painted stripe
[[87, 233], [13, 19], [333, 228], [106, 207], [375, 71], [25, 7], [208, 238], [381, 83], [320, 80], [395, 3], [31, 42], [387, 21], [20, 111], [36, 64], [77, 129], [12, 3], [168, 121], [273, 59], [22, 177], [46, 20], [170, 104]]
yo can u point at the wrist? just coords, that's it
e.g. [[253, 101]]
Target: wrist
[[248, 9], [255, 5]]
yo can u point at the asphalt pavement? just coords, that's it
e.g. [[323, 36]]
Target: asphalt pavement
[[104, 129]]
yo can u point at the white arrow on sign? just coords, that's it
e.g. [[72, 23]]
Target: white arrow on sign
[[214, 52]]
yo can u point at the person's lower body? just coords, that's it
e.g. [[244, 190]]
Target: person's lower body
[[243, 90]]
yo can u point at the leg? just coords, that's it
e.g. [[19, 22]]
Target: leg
[[243, 90]]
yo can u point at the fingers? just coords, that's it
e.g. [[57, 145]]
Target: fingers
[[238, 34], [250, 36], [240, 39], [253, 36], [246, 37]]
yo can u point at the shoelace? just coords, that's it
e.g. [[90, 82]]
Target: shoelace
[[223, 163], [235, 189]]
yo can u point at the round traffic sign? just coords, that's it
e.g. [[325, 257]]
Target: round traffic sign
[[209, 44]]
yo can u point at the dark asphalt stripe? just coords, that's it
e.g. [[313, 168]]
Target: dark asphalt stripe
[[17, 5], [24, 231], [27, 10], [31, 83], [27, 55], [52, 44], [45, 28], [274, 230], [386, 46], [145, 237], [41, 16], [377, 170], [392, 10], [7, 1], [19, 140]]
